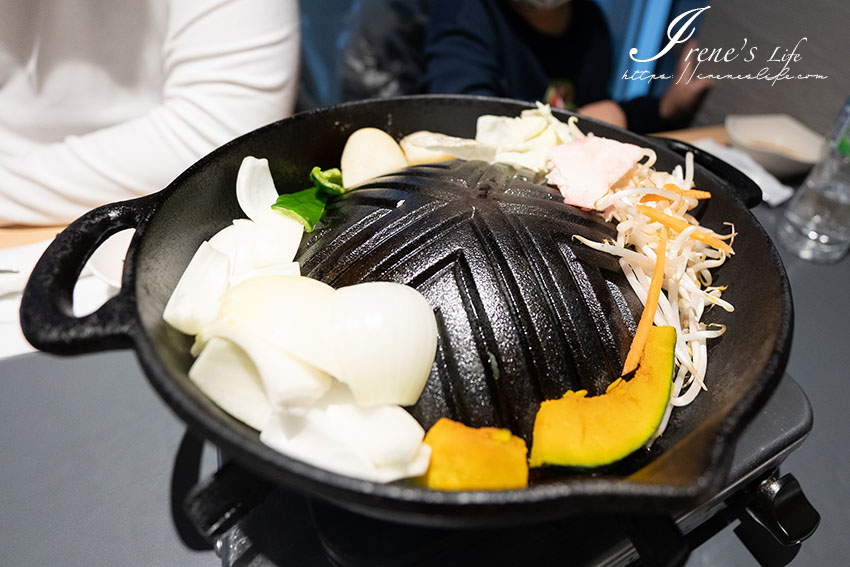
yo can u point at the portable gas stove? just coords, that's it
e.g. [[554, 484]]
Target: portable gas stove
[[291, 529]]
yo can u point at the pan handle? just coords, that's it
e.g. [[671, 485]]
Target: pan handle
[[738, 184], [47, 316]]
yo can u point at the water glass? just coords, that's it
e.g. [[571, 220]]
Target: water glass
[[816, 223]]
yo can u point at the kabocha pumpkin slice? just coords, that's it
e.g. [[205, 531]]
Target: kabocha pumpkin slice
[[582, 431], [469, 458]]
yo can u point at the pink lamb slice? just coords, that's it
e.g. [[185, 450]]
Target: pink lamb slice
[[585, 169]]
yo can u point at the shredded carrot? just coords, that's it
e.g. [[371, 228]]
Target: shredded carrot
[[653, 197], [695, 193], [649, 308], [679, 225]]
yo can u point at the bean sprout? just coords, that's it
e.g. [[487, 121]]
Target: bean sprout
[[688, 283]]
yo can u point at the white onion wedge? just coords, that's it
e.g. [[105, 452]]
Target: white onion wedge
[[277, 236], [227, 241], [429, 147], [385, 434], [243, 259], [237, 242], [227, 376], [284, 269], [384, 336], [254, 248], [377, 444], [276, 239], [289, 312], [368, 153], [195, 300], [287, 380], [255, 190]]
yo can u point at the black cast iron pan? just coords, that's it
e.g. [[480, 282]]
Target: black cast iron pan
[[684, 467]]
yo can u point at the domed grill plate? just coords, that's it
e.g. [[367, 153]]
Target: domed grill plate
[[524, 311]]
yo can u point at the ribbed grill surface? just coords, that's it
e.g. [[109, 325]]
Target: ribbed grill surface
[[524, 311]]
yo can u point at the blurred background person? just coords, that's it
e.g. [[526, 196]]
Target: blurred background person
[[105, 100], [555, 51]]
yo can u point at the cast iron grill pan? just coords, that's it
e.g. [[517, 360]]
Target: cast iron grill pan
[[525, 312]]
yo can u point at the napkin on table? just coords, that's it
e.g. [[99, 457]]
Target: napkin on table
[[89, 293], [773, 192]]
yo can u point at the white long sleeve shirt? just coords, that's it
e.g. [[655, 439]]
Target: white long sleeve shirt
[[105, 100]]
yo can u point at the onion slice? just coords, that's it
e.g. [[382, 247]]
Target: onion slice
[[194, 303], [378, 444], [284, 269], [368, 153], [287, 380], [289, 312], [384, 336], [227, 376], [276, 239], [277, 236], [255, 190]]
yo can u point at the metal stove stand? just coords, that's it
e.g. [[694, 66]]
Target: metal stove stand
[[774, 515]]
